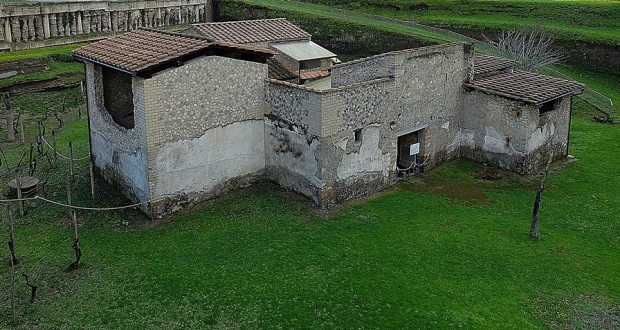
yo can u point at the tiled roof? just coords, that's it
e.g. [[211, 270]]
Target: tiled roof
[[145, 48], [313, 74], [526, 86], [279, 71], [487, 63], [141, 49], [263, 30]]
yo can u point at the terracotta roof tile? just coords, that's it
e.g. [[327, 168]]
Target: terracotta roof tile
[[141, 49], [526, 86], [242, 32], [313, 74], [486, 63], [145, 48], [279, 71]]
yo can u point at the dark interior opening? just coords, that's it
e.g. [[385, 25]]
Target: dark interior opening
[[118, 96], [409, 153], [546, 107], [358, 135]]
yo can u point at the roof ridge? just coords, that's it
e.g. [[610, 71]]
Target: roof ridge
[[177, 34], [242, 21]]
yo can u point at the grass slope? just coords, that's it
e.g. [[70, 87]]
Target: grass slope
[[595, 20]]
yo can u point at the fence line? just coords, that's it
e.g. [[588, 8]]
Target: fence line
[[112, 208], [61, 155]]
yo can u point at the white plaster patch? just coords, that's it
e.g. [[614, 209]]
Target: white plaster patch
[[494, 141], [342, 144], [369, 158], [300, 159], [200, 164], [131, 166], [467, 138], [540, 136]]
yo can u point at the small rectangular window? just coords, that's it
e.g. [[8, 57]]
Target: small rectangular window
[[358, 135]]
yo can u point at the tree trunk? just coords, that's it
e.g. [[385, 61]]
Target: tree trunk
[[534, 229], [9, 118]]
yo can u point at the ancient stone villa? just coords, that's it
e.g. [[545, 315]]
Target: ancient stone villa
[[180, 118]]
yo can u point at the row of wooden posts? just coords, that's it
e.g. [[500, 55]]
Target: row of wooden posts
[[70, 179]]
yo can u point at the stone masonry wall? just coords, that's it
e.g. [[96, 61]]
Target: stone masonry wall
[[293, 138], [423, 95], [510, 134], [209, 137], [548, 135], [118, 153], [380, 66]]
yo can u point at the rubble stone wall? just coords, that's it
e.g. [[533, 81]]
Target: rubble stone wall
[[205, 129]]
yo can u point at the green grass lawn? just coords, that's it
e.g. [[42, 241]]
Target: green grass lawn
[[442, 251], [596, 20], [410, 257]]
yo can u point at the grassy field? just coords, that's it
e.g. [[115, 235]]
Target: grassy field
[[588, 20], [442, 251]]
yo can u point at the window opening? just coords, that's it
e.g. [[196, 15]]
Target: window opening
[[358, 135], [546, 107], [118, 96]]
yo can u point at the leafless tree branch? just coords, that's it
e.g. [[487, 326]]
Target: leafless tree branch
[[531, 46]]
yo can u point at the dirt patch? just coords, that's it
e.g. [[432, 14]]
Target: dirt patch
[[585, 311], [463, 193]]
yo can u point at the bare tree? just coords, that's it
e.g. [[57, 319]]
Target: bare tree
[[532, 47], [9, 117], [534, 228]]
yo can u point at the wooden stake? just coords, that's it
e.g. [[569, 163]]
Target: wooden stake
[[40, 138], [11, 242], [13, 289], [21, 128], [69, 199], [92, 180], [54, 147], [12, 258], [76, 236], [71, 160], [19, 195], [534, 228]]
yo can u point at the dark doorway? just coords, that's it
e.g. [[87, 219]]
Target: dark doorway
[[409, 153]]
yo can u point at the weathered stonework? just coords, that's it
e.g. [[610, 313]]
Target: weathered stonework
[[512, 135], [214, 124], [119, 153]]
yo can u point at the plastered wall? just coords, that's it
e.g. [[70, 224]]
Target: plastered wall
[[206, 129]]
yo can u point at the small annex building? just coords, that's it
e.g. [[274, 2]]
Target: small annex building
[[181, 118]]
